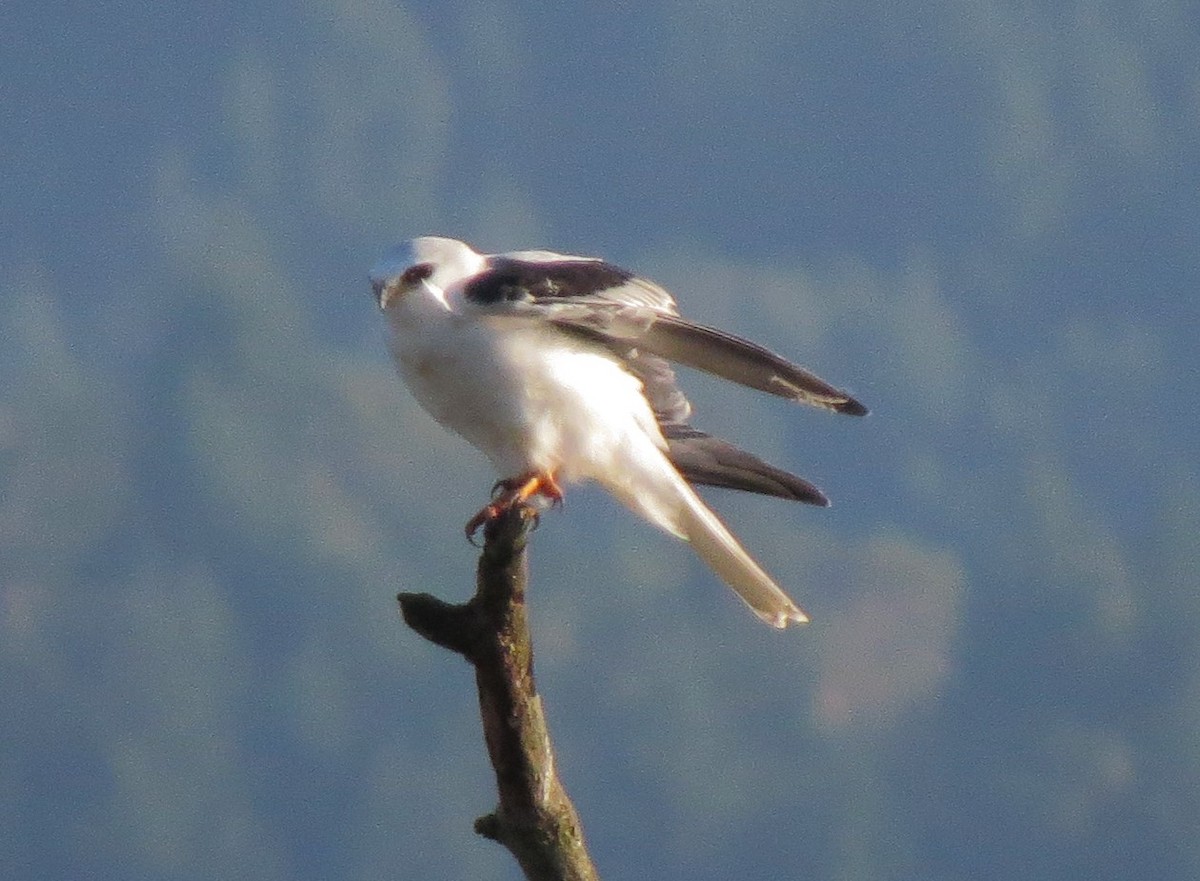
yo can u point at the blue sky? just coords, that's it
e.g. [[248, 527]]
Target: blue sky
[[980, 218]]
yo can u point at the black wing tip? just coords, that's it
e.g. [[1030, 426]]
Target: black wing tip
[[797, 489], [803, 491], [851, 407]]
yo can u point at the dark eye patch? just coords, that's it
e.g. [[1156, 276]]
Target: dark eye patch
[[416, 273]]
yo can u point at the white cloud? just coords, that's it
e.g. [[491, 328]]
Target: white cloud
[[891, 645]]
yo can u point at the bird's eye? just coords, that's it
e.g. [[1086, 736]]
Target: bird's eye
[[416, 273]]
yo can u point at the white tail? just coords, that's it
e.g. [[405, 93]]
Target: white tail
[[648, 484], [717, 547]]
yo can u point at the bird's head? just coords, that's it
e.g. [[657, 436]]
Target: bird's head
[[432, 261]]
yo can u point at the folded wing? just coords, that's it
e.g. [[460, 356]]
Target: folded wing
[[639, 323], [746, 363], [708, 460]]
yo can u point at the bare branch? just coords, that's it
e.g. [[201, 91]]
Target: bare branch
[[535, 819]]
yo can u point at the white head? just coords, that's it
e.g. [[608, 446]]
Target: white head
[[433, 262]]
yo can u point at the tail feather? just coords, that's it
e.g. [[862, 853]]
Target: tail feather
[[649, 485], [717, 547]]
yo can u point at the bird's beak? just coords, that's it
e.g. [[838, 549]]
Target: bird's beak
[[383, 292]]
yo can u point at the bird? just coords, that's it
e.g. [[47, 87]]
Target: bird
[[558, 368]]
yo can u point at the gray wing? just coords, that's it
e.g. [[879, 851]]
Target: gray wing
[[612, 304], [700, 457], [749, 364], [638, 322]]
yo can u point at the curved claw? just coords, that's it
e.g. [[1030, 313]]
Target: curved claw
[[485, 515], [515, 491], [494, 512]]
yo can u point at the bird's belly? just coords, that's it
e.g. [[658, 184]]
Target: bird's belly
[[530, 398]]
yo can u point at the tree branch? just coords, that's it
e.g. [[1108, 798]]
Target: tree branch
[[535, 819]]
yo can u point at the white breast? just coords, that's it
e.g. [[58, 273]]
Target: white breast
[[525, 394]]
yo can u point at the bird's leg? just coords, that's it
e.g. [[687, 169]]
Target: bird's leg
[[515, 491]]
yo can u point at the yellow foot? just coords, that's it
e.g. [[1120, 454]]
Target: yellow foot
[[513, 491]]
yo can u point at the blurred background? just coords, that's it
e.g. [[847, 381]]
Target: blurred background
[[981, 218]]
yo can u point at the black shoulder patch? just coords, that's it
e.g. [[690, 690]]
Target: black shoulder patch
[[509, 280]]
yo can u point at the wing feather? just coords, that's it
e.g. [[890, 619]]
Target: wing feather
[[749, 364], [639, 323], [712, 461], [613, 304]]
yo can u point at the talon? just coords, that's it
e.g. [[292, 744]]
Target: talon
[[485, 515], [516, 491]]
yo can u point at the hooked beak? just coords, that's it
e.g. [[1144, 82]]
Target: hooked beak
[[383, 292]]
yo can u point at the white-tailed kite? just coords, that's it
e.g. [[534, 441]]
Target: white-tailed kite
[[556, 368]]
